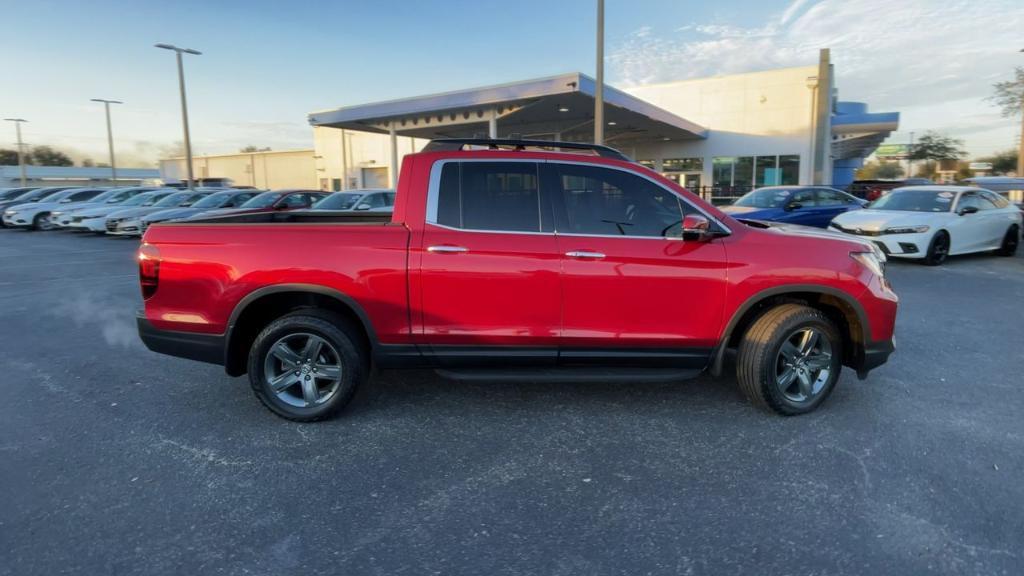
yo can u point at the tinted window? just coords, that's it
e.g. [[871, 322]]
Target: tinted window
[[915, 200], [84, 195], [490, 196], [830, 198], [997, 200], [976, 200], [339, 201], [805, 198], [298, 200], [616, 203]]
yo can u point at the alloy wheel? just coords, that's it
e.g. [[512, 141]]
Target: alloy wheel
[[804, 365], [303, 370]]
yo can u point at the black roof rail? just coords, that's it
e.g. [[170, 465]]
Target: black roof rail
[[449, 144]]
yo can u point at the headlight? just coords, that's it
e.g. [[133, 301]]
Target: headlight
[[10, 213], [874, 261], [906, 230]]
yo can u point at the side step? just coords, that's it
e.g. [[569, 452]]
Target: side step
[[570, 374]]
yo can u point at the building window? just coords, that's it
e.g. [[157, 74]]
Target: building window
[[682, 164], [336, 184], [646, 163], [748, 171], [789, 170]]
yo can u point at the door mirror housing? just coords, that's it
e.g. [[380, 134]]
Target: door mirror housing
[[363, 206], [794, 205], [696, 227], [967, 210]]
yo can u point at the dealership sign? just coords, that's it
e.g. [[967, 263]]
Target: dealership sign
[[892, 151]]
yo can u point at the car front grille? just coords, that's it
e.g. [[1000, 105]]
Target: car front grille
[[111, 225], [856, 231]]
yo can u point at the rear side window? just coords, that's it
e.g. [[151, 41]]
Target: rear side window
[[603, 201], [996, 199], [500, 196], [830, 198]]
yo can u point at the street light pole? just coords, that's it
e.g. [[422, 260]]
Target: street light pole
[[21, 146], [110, 137], [1020, 146], [184, 104], [910, 157], [599, 89]]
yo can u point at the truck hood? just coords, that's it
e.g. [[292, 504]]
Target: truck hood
[[797, 230], [877, 220]]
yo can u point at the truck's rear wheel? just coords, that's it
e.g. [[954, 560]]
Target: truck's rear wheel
[[789, 360], [306, 366]]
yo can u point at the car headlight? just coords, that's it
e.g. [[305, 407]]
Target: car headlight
[[10, 213], [874, 261], [906, 230]]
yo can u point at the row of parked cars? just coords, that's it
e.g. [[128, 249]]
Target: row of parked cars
[[129, 211], [928, 223]]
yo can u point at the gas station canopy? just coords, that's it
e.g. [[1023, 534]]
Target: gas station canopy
[[556, 108]]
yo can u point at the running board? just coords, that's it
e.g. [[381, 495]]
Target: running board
[[570, 375]]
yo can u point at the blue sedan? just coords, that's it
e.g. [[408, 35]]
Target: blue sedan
[[804, 205]]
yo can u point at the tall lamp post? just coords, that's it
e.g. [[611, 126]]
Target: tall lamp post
[[1020, 146], [21, 146], [599, 89], [184, 105], [110, 137]]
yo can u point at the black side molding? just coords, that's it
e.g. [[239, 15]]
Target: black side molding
[[202, 347]]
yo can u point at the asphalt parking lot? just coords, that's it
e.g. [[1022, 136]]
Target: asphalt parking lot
[[116, 460]]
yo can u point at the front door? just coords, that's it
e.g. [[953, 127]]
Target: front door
[[632, 290], [489, 266]]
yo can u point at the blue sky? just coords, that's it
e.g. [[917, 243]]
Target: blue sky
[[266, 64]]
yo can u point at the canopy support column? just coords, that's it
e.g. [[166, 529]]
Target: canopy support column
[[394, 154]]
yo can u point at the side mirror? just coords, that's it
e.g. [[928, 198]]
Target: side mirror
[[65, 201], [363, 206], [794, 205], [967, 210], [696, 227]]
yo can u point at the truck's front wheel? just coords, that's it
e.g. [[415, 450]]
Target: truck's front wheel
[[789, 360], [306, 366]]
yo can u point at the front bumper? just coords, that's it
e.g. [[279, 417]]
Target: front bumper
[[16, 220], [914, 245], [875, 354], [125, 227], [202, 347], [97, 224]]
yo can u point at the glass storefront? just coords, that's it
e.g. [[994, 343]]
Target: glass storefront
[[751, 171], [682, 164]]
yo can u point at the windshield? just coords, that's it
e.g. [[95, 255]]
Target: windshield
[[152, 200], [765, 198], [338, 201], [173, 200], [264, 200], [36, 195], [140, 199], [12, 193], [214, 200], [915, 201]]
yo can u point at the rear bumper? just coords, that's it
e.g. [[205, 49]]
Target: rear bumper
[[202, 347], [875, 354]]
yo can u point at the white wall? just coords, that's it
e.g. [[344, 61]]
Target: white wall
[[266, 170], [756, 114], [360, 150]]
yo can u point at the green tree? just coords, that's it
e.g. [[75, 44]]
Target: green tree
[[933, 147], [8, 157], [47, 156], [1002, 162], [88, 163], [1009, 95]]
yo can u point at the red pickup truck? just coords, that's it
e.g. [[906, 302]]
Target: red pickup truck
[[516, 260]]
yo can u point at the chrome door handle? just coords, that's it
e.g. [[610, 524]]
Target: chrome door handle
[[444, 249], [585, 254]]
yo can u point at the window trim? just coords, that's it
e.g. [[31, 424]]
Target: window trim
[[434, 189]]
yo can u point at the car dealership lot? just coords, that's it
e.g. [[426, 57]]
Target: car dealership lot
[[118, 460]]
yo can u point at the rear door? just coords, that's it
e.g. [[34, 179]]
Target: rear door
[[489, 266], [633, 292]]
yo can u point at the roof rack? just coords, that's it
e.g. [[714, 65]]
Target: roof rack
[[449, 144]]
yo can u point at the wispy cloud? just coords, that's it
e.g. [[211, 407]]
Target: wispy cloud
[[896, 55]]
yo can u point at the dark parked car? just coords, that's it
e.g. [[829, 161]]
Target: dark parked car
[[290, 199], [804, 205]]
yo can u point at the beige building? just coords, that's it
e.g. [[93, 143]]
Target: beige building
[[265, 170]]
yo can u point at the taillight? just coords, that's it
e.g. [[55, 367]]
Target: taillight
[[149, 269]]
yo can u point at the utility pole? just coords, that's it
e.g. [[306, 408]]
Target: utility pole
[[910, 157], [21, 146], [184, 104], [599, 89], [110, 138], [1020, 146]]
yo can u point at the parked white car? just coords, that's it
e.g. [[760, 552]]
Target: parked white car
[[933, 222], [128, 222], [63, 217], [36, 215], [95, 219], [368, 200]]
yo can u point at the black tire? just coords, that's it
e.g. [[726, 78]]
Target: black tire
[[760, 359], [345, 348], [938, 249], [1010, 242], [39, 222]]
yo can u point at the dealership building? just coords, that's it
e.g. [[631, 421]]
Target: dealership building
[[719, 135]]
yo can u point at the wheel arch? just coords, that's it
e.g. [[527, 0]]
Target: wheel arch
[[262, 306], [840, 307]]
